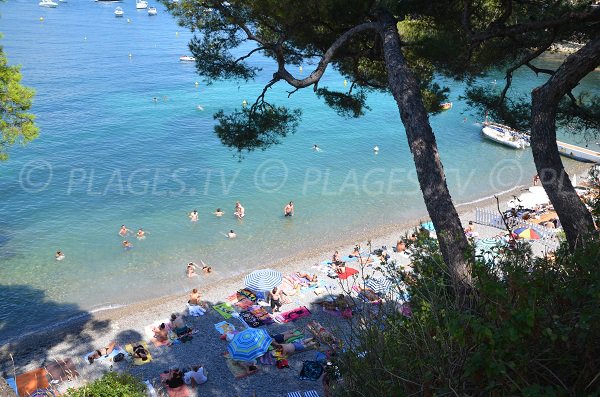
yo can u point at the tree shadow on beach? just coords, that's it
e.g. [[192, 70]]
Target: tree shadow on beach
[[31, 327]]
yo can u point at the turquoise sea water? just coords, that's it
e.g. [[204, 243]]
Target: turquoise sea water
[[110, 155]]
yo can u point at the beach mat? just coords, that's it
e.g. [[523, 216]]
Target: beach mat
[[350, 271], [237, 370], [62, 370], [224, 327], [29, 382], [108, 359], [224, 309], [182, 391], [293, 315], [137, 360]]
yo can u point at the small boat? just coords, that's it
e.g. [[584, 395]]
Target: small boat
[[48, 4], [446, 105], [141, 4], [578, 153], [152, 11], [505, 135], [119, 12], [187, 58]]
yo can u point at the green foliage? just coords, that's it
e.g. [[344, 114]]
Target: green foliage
[[16, 125], [346, 105], [259, 128], [532, 328], [111, 384]]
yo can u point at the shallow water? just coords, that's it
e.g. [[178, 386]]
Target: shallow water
[[110, 155]]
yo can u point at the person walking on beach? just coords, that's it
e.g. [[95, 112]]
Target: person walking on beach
[[193, 216], [240, 212], [288, 210], [275, 300]]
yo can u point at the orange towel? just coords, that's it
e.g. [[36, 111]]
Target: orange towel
[[30, 381]]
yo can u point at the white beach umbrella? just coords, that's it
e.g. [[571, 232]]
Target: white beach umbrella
[[263, 280], [379, 285]]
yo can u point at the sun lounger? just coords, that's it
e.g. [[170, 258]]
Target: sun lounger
[[137, 360]]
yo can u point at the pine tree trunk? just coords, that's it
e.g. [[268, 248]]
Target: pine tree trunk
[[405, 88], [576, 220]]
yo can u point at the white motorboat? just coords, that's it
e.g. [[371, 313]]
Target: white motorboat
[[119, 12], [152, 11], [48, 4], [578, 153], [141, 4], [505, 135], [187, 58]]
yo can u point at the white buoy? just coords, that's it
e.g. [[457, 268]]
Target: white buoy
[[300, 69], [41, 19], [128, 20], [130, 55], [244, 103], [85, 38], [376, 149], [199, 107], [345, 82], [176, 33], [196, 84]]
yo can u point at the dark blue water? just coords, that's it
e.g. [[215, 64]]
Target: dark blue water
[[110, 155]]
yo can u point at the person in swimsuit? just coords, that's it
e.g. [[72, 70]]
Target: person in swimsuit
[[194, 297], [355, 253], [240, 212], [124, 231], [140, 351], [297, 346], [281, 338], [175, 379], [288, 210], [339, 266], [141, 234], [127, 245], [231, 234], [205, 268], [105, 351], [59, 256], [161, 333], [275, 300], [193, 216], [218, 212]]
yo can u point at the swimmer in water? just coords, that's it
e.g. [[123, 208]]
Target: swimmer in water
[[288, 210], [193, 216], [199, 107], [205, 268], [231, 234], [191, 270], [59, 256], [376, 149], [127, 245], [124, 231], [218, 212], [316, 148], [141, 234], [154, 99], [240, 212]]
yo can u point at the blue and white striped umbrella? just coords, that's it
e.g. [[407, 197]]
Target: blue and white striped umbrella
[[263, 280], [380, 285], [249, 344]]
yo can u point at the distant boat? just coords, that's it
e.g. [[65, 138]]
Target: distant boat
[[119, 12], [505, 135], [48, 4], [152, 11], [187, 58], [141, 4], [578, 153], [446, 105]]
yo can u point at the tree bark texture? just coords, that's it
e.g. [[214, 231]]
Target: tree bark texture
[[576, 220], [432, 180]]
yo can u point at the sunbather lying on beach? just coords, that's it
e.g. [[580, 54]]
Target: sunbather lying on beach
[[340, 302], [140, 351], [297, 346], [175, 379], [310, 277], [281, 338], [104, 351]]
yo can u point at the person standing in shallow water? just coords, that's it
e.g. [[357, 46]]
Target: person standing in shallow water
[[288, 210]]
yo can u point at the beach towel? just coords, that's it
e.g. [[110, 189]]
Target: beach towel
[[236, 369], [349, 272], [181, 391], [267, 359], [244, 303], [310, 393], [195, 310], [311, 370], [30, 381], [224, 309], [13, 384], [106, 360], [137, 360], [261, 314], [250, 319], [246, 293], [224, 327], [62, 370], [293, 315]]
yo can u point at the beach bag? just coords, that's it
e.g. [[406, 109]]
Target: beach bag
[[283, 363], [311, 370], [118, 357]]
